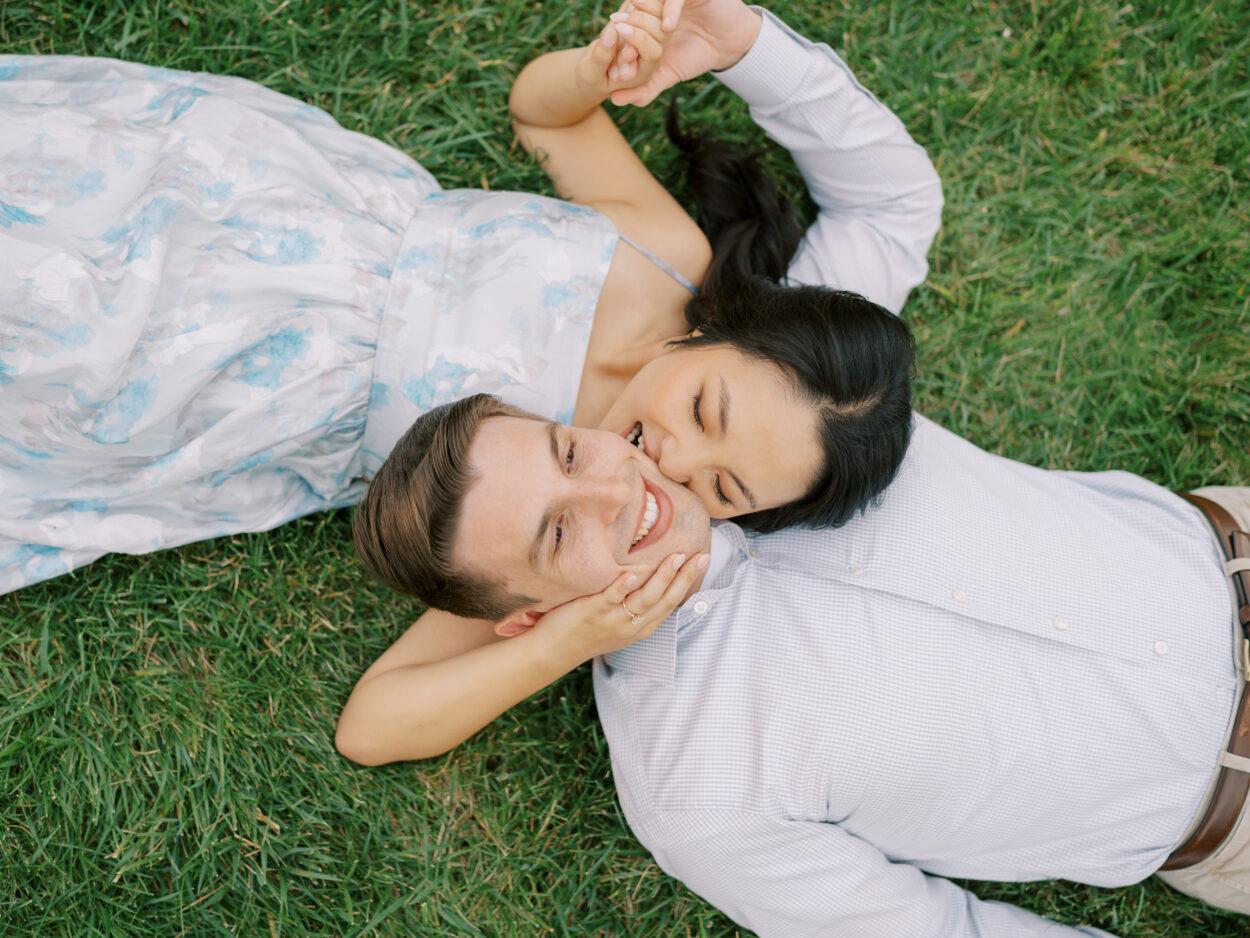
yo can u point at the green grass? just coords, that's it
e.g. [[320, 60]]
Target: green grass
[[166, 746]]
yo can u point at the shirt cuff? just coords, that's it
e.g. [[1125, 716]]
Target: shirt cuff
[[772, 70]]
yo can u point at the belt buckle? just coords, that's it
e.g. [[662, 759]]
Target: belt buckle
[[1245, 658]]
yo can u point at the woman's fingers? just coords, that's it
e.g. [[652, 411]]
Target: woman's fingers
[[605, 48], [648, 48], [653, 597], [619, 588], [648, 594], [680, 585], [640, 42], [673, 580]]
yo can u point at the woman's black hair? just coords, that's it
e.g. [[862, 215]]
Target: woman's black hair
[[846, 356]]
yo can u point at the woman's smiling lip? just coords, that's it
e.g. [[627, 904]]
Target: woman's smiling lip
[[664, 505], [646, 445]]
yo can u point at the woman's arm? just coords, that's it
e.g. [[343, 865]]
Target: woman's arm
[[439, 684], [447, 677], [557, 114]]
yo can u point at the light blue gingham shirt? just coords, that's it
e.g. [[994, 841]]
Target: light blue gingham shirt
[[1000, 673]]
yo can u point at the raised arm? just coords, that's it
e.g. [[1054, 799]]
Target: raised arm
[[556, 111], [878, 195]]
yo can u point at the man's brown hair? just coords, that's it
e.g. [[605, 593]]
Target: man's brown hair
[[405, 528]]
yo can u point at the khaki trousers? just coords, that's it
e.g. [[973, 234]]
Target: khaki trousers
[[1223, 878]]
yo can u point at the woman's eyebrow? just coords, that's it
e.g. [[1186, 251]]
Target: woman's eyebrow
[[747, 493], [724, 428]]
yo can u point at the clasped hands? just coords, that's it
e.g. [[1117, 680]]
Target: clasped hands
[[650, 45]]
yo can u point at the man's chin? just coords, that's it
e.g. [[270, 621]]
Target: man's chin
[[690, 518]]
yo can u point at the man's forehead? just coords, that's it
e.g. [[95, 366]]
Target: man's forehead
[[506, 493], [500, 441]]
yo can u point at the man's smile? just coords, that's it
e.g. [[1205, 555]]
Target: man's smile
[[659, 507]]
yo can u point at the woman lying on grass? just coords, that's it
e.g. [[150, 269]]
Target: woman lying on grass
[[222, 310], [782, 392]]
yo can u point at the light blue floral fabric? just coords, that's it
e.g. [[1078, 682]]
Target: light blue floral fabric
[[219, 309]]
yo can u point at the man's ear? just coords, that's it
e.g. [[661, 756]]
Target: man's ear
[[516, 623]]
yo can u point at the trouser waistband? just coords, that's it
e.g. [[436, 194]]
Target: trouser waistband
[[1227, 796]]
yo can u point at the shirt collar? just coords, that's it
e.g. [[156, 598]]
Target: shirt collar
[[655, 657]]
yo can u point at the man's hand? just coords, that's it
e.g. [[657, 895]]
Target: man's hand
[[706, 35]]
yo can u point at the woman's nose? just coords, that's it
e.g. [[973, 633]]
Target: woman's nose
[[675, 460]]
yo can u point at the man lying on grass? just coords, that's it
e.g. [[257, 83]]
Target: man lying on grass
[[999, 672]]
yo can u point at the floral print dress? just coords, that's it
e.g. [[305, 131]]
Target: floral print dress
[[219, 309]]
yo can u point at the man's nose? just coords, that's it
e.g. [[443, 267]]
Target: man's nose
[[607, 495]]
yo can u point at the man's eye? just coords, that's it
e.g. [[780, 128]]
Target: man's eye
[[720, 492], [559, 534], [568, 457], [694, 410]]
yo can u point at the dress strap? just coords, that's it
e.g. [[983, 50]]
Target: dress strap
[[667, 268]]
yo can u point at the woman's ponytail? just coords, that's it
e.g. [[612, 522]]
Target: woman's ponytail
[[751, 226]]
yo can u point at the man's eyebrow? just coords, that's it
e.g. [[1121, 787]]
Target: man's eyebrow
[[724, 427], [553, 438]]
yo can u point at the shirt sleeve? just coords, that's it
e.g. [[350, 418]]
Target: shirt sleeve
[[879, 197], [797, 878]]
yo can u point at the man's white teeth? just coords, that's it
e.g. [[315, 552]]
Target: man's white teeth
[[634, 437], [648, 519]]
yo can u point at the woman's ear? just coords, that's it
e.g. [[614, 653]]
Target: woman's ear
[[517, 622]]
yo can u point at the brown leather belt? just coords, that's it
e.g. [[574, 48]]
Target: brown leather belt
[[1231, 785]]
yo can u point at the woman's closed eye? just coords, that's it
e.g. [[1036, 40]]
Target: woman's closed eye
[[696, 412]]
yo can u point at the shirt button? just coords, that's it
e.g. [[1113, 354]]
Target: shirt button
[[857, 569], [959, 596], [1161, 648], [1061, 623], [700, 607], [753, 553]]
